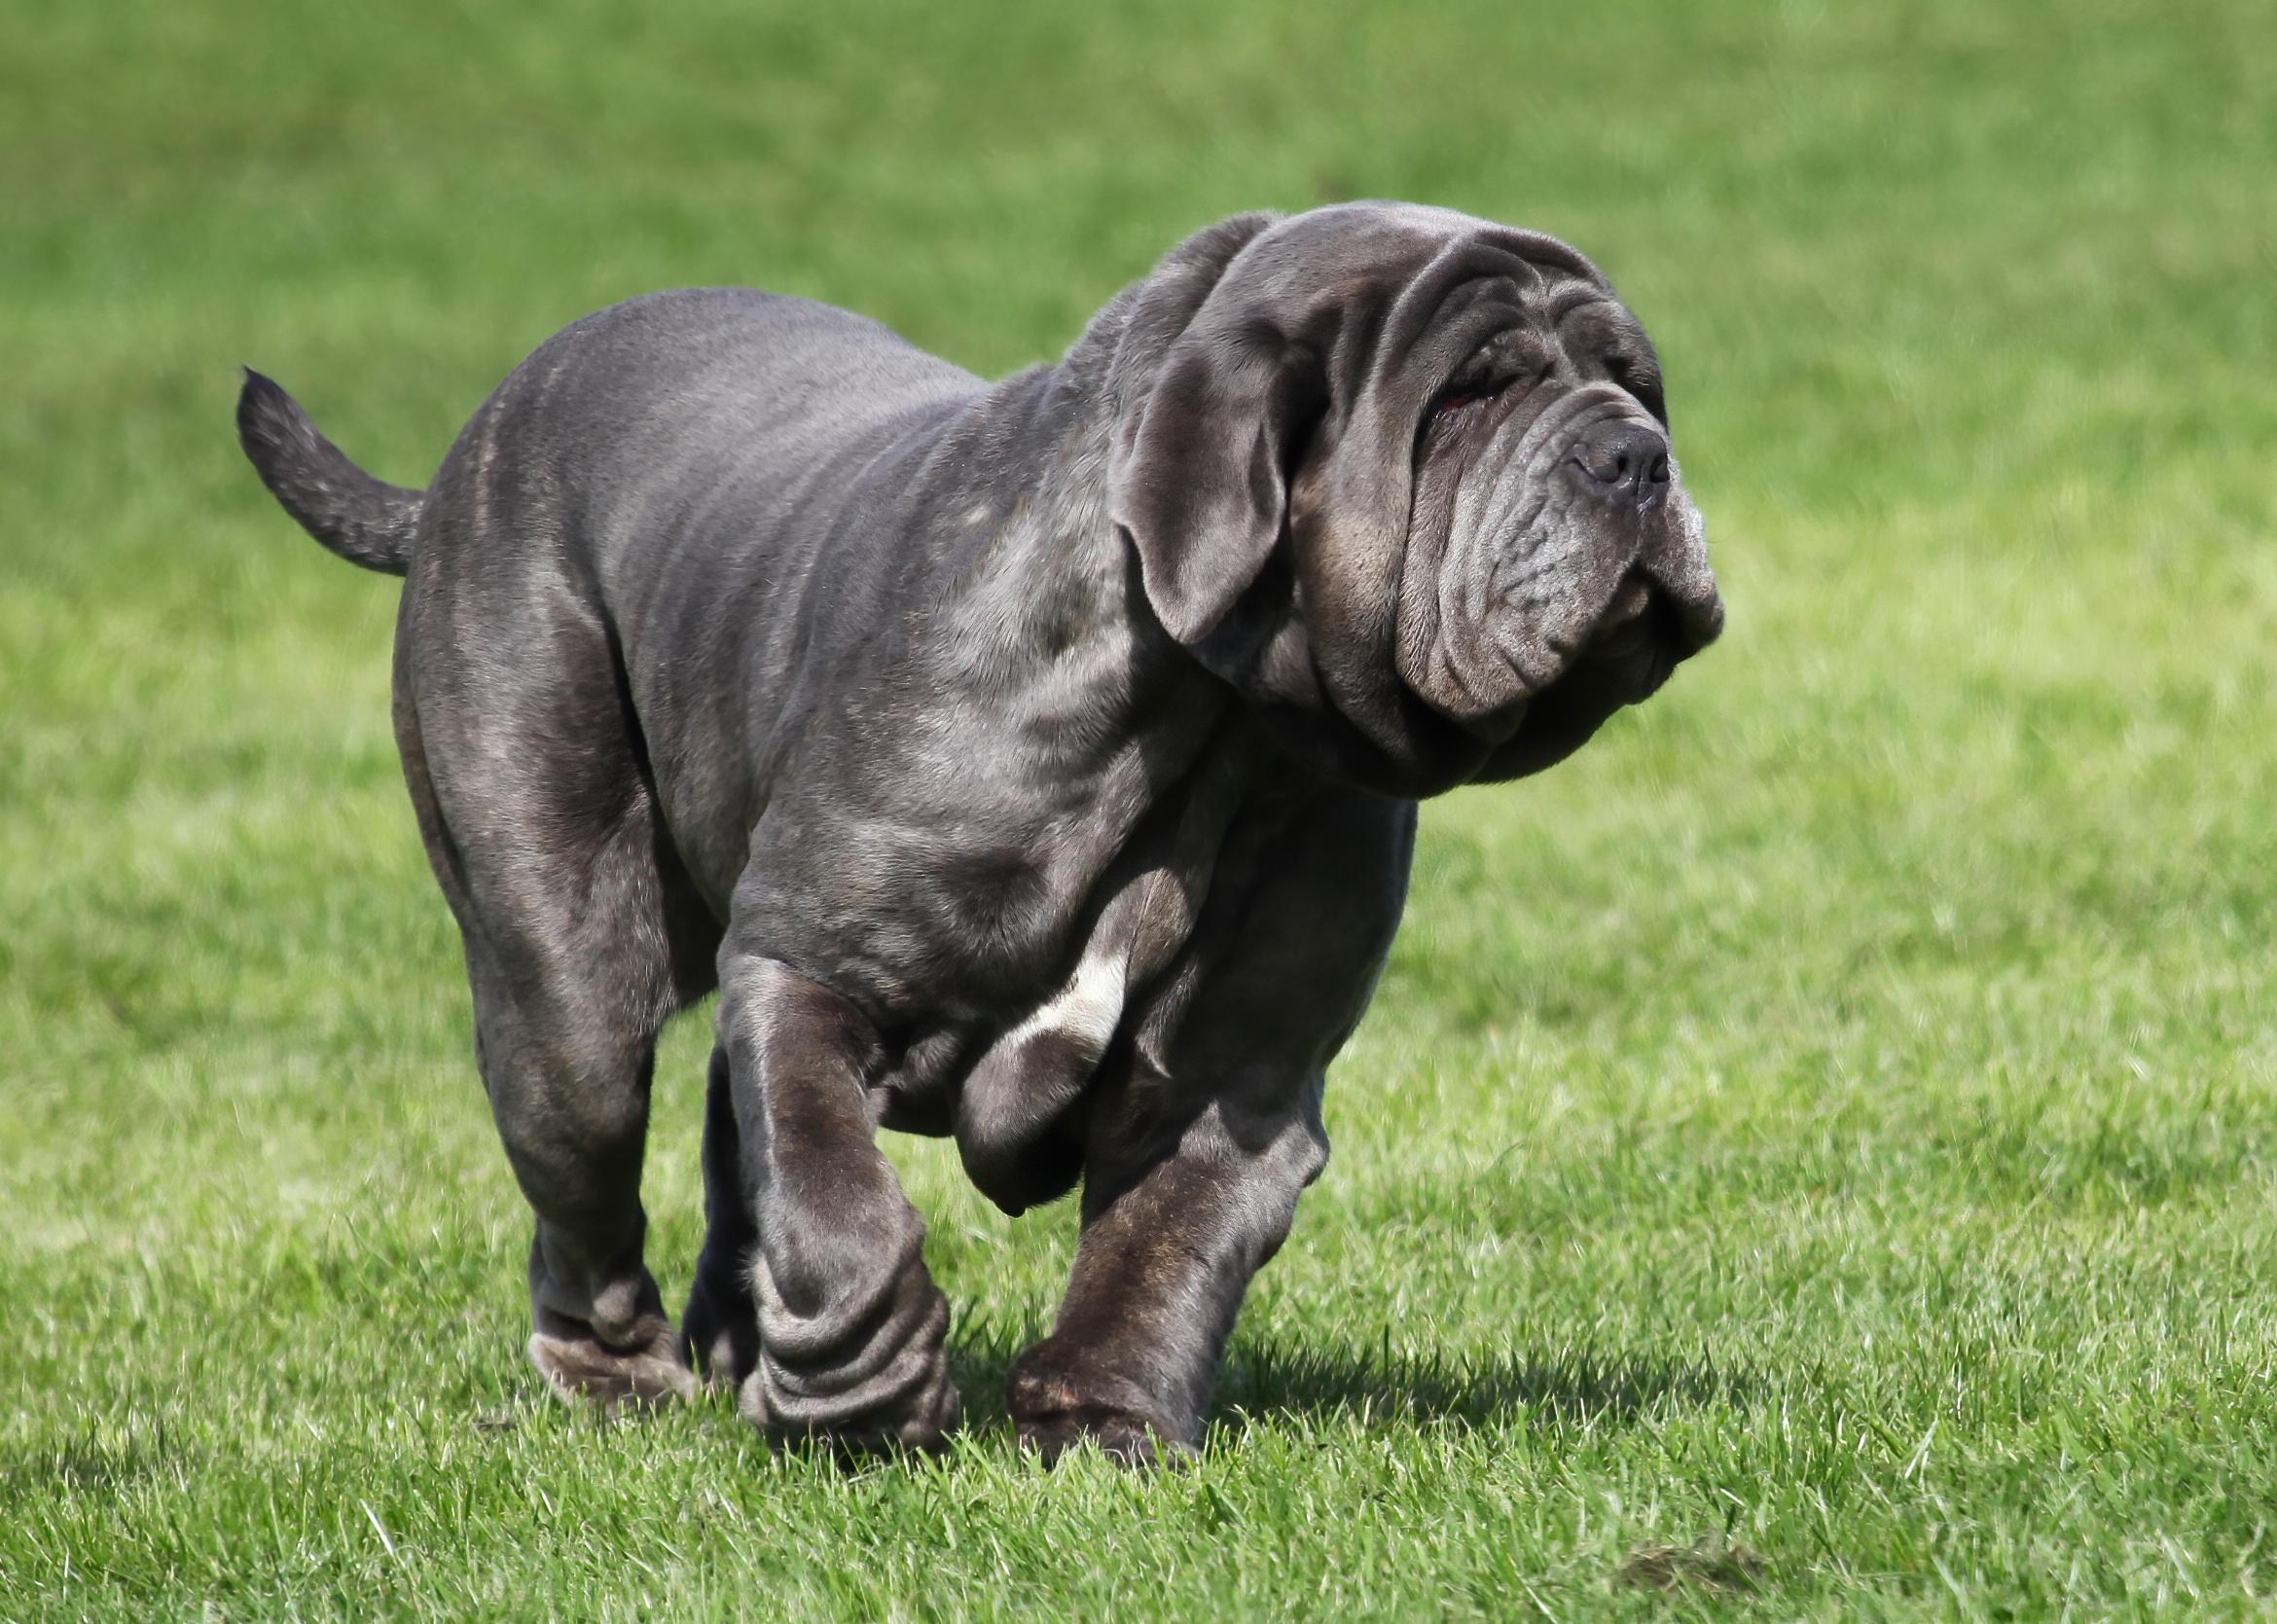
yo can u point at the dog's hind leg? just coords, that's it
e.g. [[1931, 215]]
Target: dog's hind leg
[[583, 935]]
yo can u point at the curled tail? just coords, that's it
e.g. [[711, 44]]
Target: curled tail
[[366, 520]]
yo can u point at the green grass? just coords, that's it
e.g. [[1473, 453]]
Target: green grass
[[1814, 1151]]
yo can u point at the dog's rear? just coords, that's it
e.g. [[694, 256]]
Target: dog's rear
[[366, 522]]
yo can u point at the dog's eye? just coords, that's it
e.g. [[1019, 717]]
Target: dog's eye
[[1640, 380], [1503, 360], [1474, 386], [1455, 400]]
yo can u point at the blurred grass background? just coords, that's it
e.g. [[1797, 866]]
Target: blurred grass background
[[1813, 1150]]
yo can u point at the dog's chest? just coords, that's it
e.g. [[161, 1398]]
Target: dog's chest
[[1011, 1092]]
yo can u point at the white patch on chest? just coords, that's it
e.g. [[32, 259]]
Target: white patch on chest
[[1086, 1011]]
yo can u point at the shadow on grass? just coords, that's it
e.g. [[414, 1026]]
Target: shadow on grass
[[1346, 1381], [97, 1462], [1378, 1385]]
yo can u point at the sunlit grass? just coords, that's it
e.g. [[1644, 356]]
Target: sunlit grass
[[1814, 1151]]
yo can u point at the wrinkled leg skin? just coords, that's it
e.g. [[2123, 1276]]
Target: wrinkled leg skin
[[812, 1296], [1169, 1248]]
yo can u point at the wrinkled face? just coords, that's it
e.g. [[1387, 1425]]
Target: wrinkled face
[[1555, 567], [1404, 477]]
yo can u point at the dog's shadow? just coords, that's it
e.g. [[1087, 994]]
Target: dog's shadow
[[1341, 1380]]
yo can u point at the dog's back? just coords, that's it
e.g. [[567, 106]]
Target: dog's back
[[667, 391]]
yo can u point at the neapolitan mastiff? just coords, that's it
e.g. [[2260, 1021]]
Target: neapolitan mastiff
[[1033, 763]]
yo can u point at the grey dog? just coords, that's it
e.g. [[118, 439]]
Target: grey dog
[[1031, 763]]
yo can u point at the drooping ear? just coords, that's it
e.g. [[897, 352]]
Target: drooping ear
[[1200, 475], [1204, 490]]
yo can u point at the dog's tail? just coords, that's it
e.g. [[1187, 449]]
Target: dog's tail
[[366, 520]]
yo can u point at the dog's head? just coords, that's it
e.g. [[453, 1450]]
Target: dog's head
[[1404, 477]]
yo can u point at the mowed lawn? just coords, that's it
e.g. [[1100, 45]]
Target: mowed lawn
[[1815, 1154]]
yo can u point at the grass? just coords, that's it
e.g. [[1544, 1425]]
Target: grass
[[1811, 1155]]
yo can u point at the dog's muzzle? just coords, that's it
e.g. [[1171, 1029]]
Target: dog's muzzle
[[1666, 608]]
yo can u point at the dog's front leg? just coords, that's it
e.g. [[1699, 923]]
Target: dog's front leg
[[851, 1324], [1195, 1149], [1170, 1243]]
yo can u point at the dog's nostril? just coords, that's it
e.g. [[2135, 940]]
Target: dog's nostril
[[1625, 461]]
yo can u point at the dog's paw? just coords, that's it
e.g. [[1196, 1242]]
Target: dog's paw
[[1057, 1408], [889, 1391], [1126, 1440], [641, 1373], [918, 1420]]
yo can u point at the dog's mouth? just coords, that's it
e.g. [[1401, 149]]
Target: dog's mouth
[[1642, 636], [1631, 621]]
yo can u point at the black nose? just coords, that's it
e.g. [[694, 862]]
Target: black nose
[[1622, 462]]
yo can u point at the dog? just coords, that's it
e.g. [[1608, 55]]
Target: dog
[[1033, 764]]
